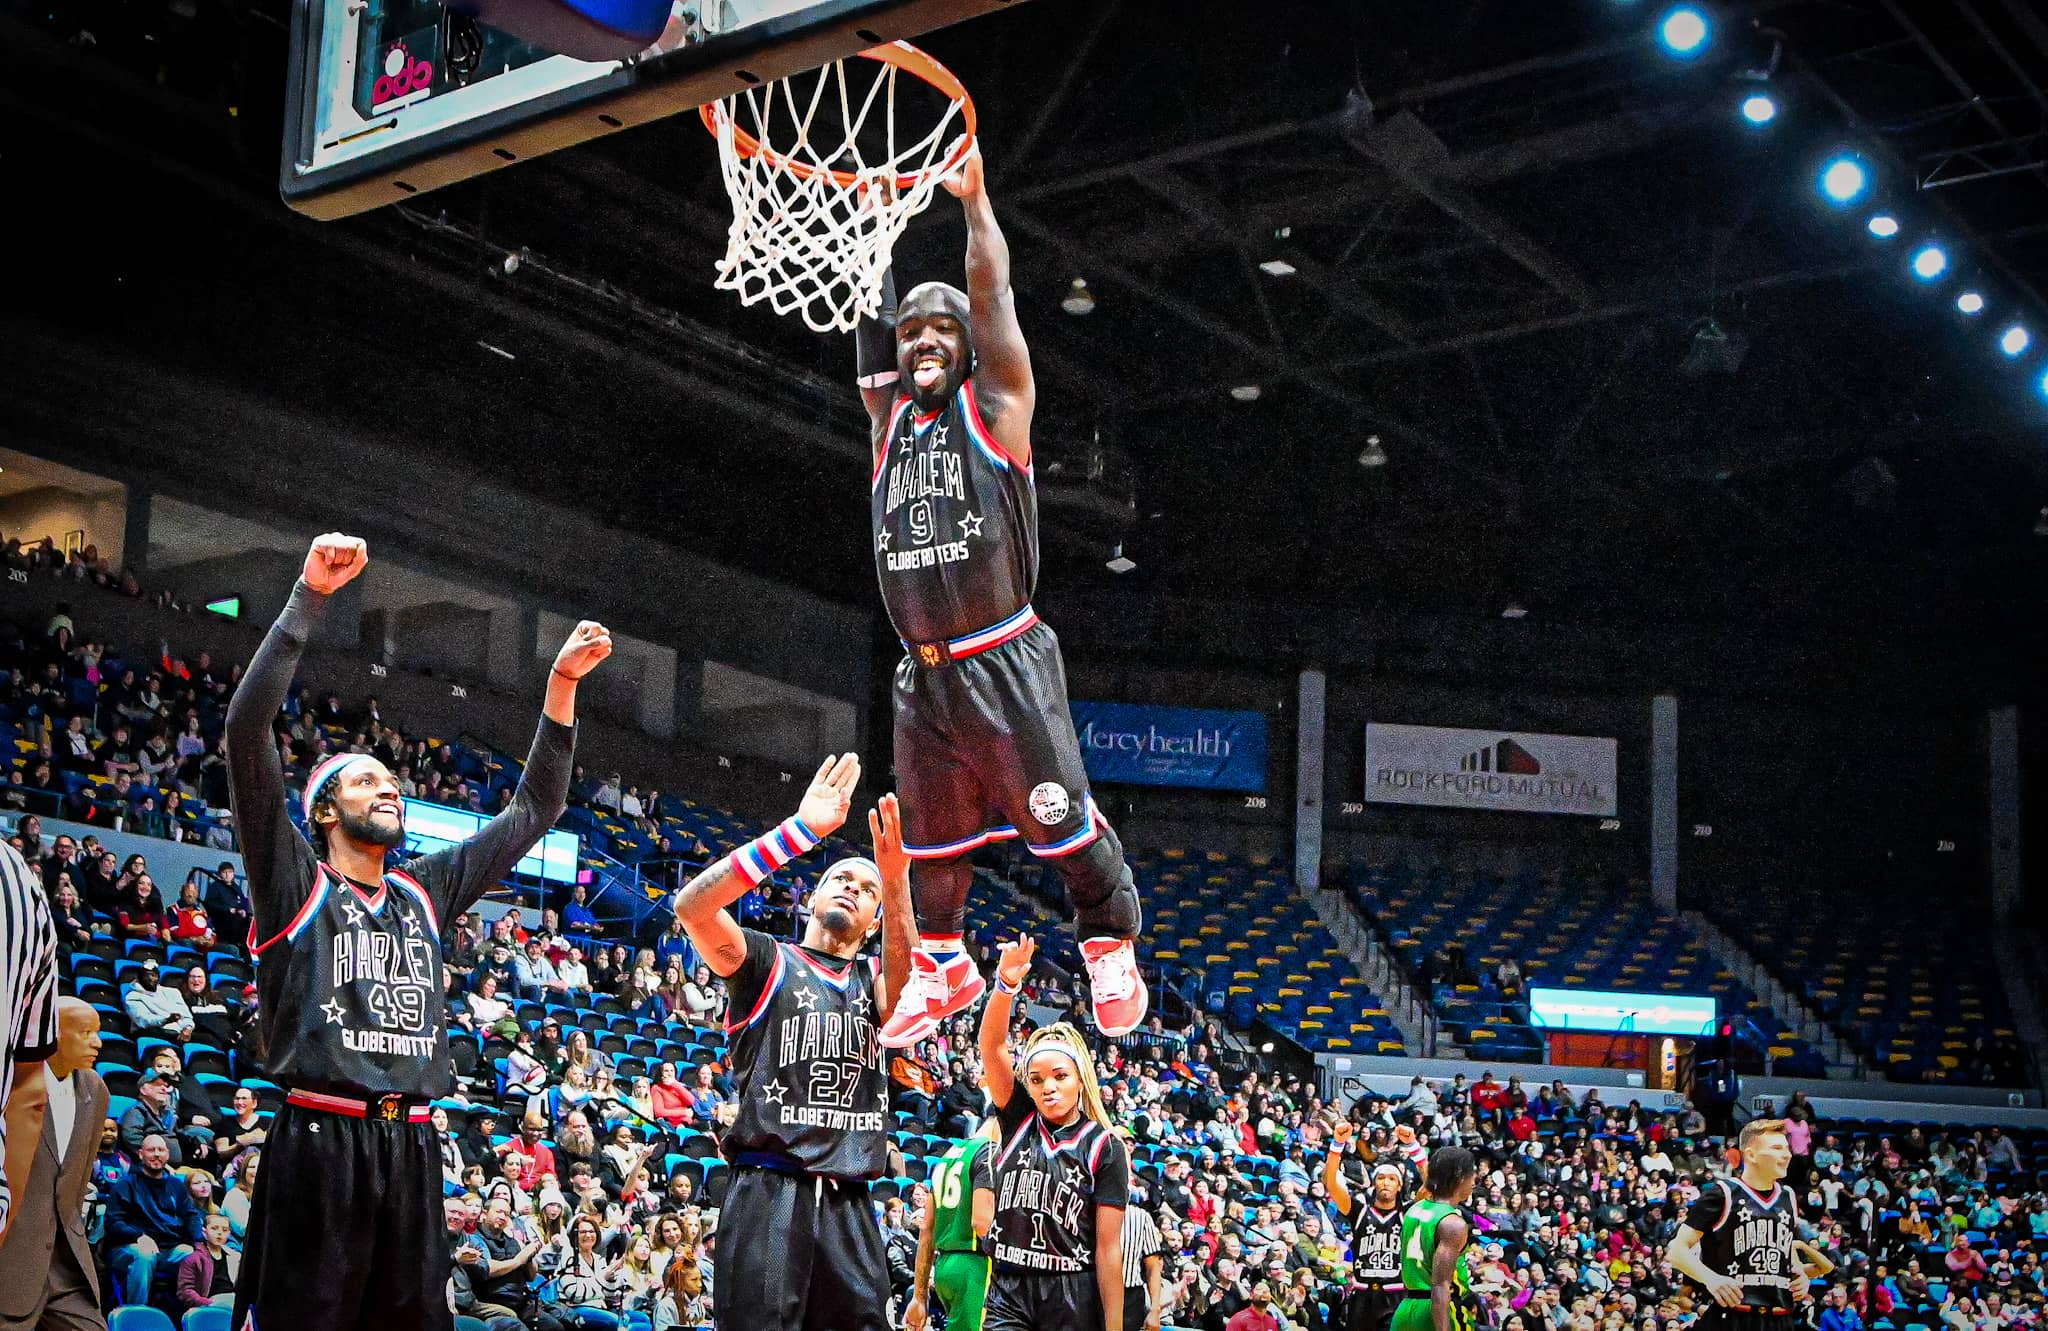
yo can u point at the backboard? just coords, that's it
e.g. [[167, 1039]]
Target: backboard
[[388, 99]]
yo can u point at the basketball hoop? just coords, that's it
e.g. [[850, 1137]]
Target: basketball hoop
[[821, 185]]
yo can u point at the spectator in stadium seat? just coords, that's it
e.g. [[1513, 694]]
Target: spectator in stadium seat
[[150, 1219], [704, 998], [227, 903], [141, 913], [212, 1021], [206, 1277], [69, 914], [674, 944], [502, 1280], [244, 1129], [155, 1010], [574, 974], [1965, 1264], [672, 1102], [577, 914], [62, 858], [533, 977], [189, 922]]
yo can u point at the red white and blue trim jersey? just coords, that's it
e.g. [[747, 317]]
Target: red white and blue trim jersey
[[807, 1058], [955, 523], [1748, 1235], [1048, 1183], [350, 974]]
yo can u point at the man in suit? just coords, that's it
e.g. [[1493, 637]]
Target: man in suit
[[47, 1279]]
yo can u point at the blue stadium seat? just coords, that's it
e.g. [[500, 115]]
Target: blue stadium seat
[[206, 1319], [138, 1318]]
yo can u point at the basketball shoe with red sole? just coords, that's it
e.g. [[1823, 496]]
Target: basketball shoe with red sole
[[933, 993], [1114, 985]]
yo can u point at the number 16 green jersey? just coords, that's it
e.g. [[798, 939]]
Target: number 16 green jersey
[[966, 1166]]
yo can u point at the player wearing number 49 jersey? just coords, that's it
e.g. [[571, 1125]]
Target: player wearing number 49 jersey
[[345, 1231], [799, 1248]]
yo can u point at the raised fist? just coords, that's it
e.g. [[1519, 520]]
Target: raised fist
[[333, 560], [588, 643]]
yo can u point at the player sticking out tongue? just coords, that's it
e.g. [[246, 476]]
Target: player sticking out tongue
[[933, 353]]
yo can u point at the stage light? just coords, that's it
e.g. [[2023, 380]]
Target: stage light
[[1843, 180], [2044, 383], [1119, 562], [1884, 226], [1970, 303], [1930, 262], [1758, 109], [1277, 268], [2015, 340], [1375, 455], [1079, 300], [1683, 32], [1246, 392]]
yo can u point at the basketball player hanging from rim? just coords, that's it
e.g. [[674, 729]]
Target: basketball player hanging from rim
[[1737, 1240], [799, 1248], [346, 1229], [1062, 1175], [1374, 1292], [1436, 1231], [985, 746]]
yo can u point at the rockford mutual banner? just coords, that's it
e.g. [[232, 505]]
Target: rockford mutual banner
[[1172, 746], [1489, 769]]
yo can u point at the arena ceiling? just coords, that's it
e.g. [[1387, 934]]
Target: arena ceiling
[[1623, 365]]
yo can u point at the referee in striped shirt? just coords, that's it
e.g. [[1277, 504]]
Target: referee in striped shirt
[[28, 1020], [1142, 1263]]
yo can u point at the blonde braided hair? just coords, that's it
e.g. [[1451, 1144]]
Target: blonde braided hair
[[1064, 1039]]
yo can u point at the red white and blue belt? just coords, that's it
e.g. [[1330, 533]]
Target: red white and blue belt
[[946, 652], [385, 1108]]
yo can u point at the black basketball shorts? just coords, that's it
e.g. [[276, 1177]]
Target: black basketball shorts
[[346, 1230], [798, 1253], [1041, 1301], [1370, 1309], [985, 751]]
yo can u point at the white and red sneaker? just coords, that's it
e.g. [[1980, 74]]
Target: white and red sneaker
[[1114, 985], [935, 991]]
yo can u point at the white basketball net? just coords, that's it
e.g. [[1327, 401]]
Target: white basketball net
[[802, 239]]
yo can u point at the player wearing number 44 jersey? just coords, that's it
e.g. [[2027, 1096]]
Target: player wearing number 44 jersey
[[345, 1231], [1375, 1291], [985, 747], [799, 1248], [1738, 1239]]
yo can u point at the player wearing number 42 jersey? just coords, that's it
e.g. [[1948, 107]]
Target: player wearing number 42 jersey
[[799, 1248], [1738, 1239], [952, 1248], [345, 1232]]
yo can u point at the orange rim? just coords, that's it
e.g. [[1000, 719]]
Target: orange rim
[[903, 56]]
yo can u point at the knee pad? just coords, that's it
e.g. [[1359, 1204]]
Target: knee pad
[[938, 894], [1100, 890]]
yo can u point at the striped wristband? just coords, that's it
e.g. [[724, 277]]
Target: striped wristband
[[758, 860]]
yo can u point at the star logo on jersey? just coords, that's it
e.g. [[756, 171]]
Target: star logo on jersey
[[773, 1092], [861, 1004], [882, 542], [937, 437], [332, 1007], [412, 925], [807, 1000], [970, 525], [351, 912]]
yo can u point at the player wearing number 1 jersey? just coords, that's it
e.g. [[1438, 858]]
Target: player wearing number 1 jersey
[[952, 1250], [799, 1248], [345, 1231]]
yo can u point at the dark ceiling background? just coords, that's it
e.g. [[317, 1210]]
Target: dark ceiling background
[[1507, 220]]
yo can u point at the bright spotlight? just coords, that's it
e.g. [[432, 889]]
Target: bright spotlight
[[1683, 32], [2015, 340], [1930, 262], [2044, 384], [1970, 303], [1844, 180], [1884, 226], [1759, 109]]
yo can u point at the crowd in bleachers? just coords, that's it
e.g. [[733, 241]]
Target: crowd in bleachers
[[583, 1140]]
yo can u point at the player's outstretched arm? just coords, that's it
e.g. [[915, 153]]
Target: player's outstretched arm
[[998, 1076], [255, 773], [1452, 1234], [1002, 359], [701, 903], [899, 920], [479, 864], [874, 361], [1333, 1166]]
